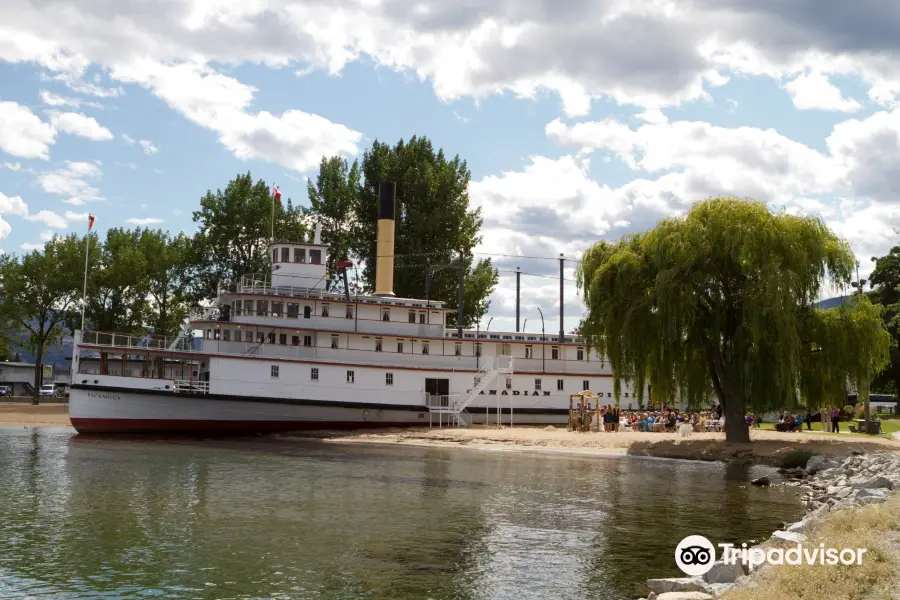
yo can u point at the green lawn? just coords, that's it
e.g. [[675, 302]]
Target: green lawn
[[887, 426]]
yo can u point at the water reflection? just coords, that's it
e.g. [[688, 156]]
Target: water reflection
[[83, 518]]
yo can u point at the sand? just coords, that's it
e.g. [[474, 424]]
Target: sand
[[28, 415]]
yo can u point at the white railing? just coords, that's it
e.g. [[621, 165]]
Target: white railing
[[456, 404], [185, 386], [127, 340]]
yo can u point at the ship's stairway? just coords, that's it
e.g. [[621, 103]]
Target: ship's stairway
[[29, 389], [454, 405]]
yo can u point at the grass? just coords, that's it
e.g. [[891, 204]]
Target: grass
[[888, 427], [875, 527]]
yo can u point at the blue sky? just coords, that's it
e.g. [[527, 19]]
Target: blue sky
[[577, 125]]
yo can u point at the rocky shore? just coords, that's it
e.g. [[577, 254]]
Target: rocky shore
[[831, 485]]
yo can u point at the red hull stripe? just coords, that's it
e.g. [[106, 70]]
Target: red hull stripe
[[220, 427]]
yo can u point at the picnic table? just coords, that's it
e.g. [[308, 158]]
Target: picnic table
[[874, 426]]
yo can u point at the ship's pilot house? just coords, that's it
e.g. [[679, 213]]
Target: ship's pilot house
[[300, 265]]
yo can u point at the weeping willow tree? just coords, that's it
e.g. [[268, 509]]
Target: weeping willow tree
[[847, 344], [713, 305]]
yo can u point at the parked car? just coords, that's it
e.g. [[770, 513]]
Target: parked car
[[5, 390], [48, 389]]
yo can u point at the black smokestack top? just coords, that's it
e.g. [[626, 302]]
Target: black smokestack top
[[387, 199]]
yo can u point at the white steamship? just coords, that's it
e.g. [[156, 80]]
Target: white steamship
[[288, 352]]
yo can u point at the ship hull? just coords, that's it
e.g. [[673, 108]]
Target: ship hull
[[115, 410]]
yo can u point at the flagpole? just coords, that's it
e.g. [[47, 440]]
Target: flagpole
[[275, 186], [87, 249]]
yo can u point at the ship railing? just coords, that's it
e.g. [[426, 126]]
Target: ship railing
[[136, 341], [185, 386]]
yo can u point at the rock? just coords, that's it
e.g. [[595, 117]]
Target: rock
[[676, 584], [724, 573], [717, 589], [797, 527], [761, 481], [652, 596], [868, 496], [684, 596], [787, 538], [549, 428], [819, 463], [873, 483]]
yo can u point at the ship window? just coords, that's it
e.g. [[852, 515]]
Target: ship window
[[458, 349], [282, 339], [554, 353], [307, 312], [295, 340], [314, 373], [271, 337], [260, 337], [285, 255], [377, 344], [262, 308], [237, 307], [237, 335], [315, 257], [324, 310], [334, 342], [349, 312], [559, 384], [209, 334], [586, 385], [293, 310], [351, 377], [388, 379], [400, 347], [277, 309], [248, 307], [581, 354], [299, 255], [537, 384], [386, 314], [424, 347], [422, 318], [478, 349], [505, 349], [226, 335], [529, 352], [412, 316], [307, 340], [274, 371], [509, 383], [274, 255]]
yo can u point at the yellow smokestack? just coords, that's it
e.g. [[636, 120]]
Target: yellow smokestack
[[384, 247]]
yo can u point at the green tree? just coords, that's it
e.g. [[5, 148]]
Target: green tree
[[117, 285], [712, 304], [434, 223], [40, 295], [885, 280], [235, 228], [166, 259]]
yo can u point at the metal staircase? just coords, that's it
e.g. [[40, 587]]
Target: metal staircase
[[455, 405]]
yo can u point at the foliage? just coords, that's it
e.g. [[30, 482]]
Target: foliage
[[434, 222], [235, 228], [711, 305], [885, 280], [795, 459], [117, 285], [166, 272], [40, 296]]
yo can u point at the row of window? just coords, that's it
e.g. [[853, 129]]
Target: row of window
[[389, 380], [261, 309], [315, 256]]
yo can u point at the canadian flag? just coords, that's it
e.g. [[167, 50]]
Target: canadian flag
[[276, 192], [90, 221]]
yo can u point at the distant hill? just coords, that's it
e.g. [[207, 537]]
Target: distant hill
[[832, 302]]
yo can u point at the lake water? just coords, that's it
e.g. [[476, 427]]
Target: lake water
[[156, 518]]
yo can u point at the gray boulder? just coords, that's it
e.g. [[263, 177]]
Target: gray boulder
[[867, 496], [724, 573], [761, 481], [872, 483], [787, 538], [675, 584], [684, 596], [819, 463]]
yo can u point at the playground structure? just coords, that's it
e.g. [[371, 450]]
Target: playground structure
[[582, 416]]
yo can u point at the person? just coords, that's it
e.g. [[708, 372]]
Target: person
[[808, 420], [835, 418]]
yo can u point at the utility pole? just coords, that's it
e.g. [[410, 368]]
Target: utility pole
[[518, 291]]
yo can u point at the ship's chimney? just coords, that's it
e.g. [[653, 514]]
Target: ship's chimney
[[317, 239], [384, 247]]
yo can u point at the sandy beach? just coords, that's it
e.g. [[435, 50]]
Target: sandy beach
[[28, 415]]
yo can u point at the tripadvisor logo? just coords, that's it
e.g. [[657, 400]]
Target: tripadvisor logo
[[695, 555]]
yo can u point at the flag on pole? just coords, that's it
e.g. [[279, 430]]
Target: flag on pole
[[90, 221], [276, 192]]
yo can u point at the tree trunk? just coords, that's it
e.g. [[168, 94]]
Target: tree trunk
[[736, 430], [38, 374]]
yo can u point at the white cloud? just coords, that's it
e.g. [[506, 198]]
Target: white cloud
[[55, 100], [22, 133], [47, 235], [145, 221], [814, 91], [72, 182], [16, 166], [28, 245], [148, 147], [74, 216], [127, 139], [49, 218], [80, 125], [13, 205]]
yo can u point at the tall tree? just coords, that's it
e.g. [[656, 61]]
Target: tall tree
[[712, 304], [117, 288], [166, 259], [434, 222], [332, 200], [40, 295], [885, 280], [235, 228]]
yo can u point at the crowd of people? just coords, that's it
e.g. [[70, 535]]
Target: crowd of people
[[653, 419]]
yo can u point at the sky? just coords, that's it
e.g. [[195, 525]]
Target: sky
[[580, 120]]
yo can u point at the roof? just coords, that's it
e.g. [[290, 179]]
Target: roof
[[286, 242]]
